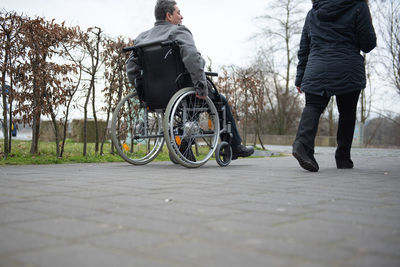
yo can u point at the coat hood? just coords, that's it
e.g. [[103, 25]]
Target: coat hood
[[329, 10]]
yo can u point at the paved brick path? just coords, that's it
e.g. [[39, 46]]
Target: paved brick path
[[256, 212]]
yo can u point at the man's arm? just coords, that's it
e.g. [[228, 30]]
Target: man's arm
[[133, 69], [192, 60]]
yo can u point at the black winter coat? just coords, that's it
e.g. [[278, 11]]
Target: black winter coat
[[329, 56]]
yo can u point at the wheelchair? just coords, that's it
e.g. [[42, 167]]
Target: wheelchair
[[163, 108]]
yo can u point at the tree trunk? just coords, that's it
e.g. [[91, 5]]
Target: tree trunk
[[85, 111], [261, 142], [69, 101], [56, 131], [96, 149], [36, 118], [10, 100], [118, 100], [65, 129], [105, 128], [5, 123], [10, 123], [64, 137], [246, 112], [259, 130], [35, 133]]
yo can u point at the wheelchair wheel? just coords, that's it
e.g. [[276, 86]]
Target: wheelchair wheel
[[136, 131], [191, 128], [223, 154], [172, 158]]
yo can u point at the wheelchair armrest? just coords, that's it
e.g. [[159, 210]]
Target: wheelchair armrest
[[213, 74]]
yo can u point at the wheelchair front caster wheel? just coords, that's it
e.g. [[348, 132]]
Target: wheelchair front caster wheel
[[223, 154]]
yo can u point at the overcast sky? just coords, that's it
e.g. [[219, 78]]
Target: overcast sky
[[221, 28]]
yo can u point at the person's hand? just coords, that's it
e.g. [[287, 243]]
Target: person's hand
[[299, 89], [201, 97]]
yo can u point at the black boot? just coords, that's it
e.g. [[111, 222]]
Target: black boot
[[344, 163], [342, 157], [305, 160]]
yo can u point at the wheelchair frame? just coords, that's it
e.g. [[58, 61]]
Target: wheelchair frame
[[139, 130]]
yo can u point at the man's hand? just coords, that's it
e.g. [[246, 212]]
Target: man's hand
[[299, 89], [201, 97]]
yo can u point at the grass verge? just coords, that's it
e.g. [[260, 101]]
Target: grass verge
[[73, 154]]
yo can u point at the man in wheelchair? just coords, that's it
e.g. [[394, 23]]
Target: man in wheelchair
[[168, 28]]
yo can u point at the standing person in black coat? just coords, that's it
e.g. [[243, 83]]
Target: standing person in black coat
[[334, 33]]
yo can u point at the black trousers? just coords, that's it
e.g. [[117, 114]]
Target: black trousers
[[236, 139], [315, 105]]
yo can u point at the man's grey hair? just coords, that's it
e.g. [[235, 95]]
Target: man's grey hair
[[163, 7]]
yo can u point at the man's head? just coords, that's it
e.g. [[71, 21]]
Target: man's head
[[168, 10]]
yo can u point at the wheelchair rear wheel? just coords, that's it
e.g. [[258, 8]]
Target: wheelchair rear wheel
[[191, 128], [136, 131]]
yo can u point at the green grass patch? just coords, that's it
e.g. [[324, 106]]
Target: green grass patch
[[20, 154]]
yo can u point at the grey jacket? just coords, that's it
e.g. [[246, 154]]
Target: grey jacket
[[192, 59]]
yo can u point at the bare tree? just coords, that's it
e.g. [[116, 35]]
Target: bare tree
[[232, 82], [91, 42], [383, 131], [389, 25], [10, 26], [73, 53], [228, 85], [281, 31], [71, 90], [257, 93], [244, 81], [393, 40], [283, 105], [282, 26], [115, 77]]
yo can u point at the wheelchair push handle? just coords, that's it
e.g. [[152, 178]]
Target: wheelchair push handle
[[168, 43], [163, 44], [129, 48], [212, 74]]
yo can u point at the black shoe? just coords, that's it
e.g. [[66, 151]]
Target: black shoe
[[344, 163], [306, 161], [242, 151], [187, 151]]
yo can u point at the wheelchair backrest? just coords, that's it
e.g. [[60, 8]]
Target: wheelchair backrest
[[162, 67]]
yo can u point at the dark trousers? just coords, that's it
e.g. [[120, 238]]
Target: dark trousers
[[236, 139], [215, 96], [315, 105]]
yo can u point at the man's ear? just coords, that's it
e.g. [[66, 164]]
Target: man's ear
[[168, 17]]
